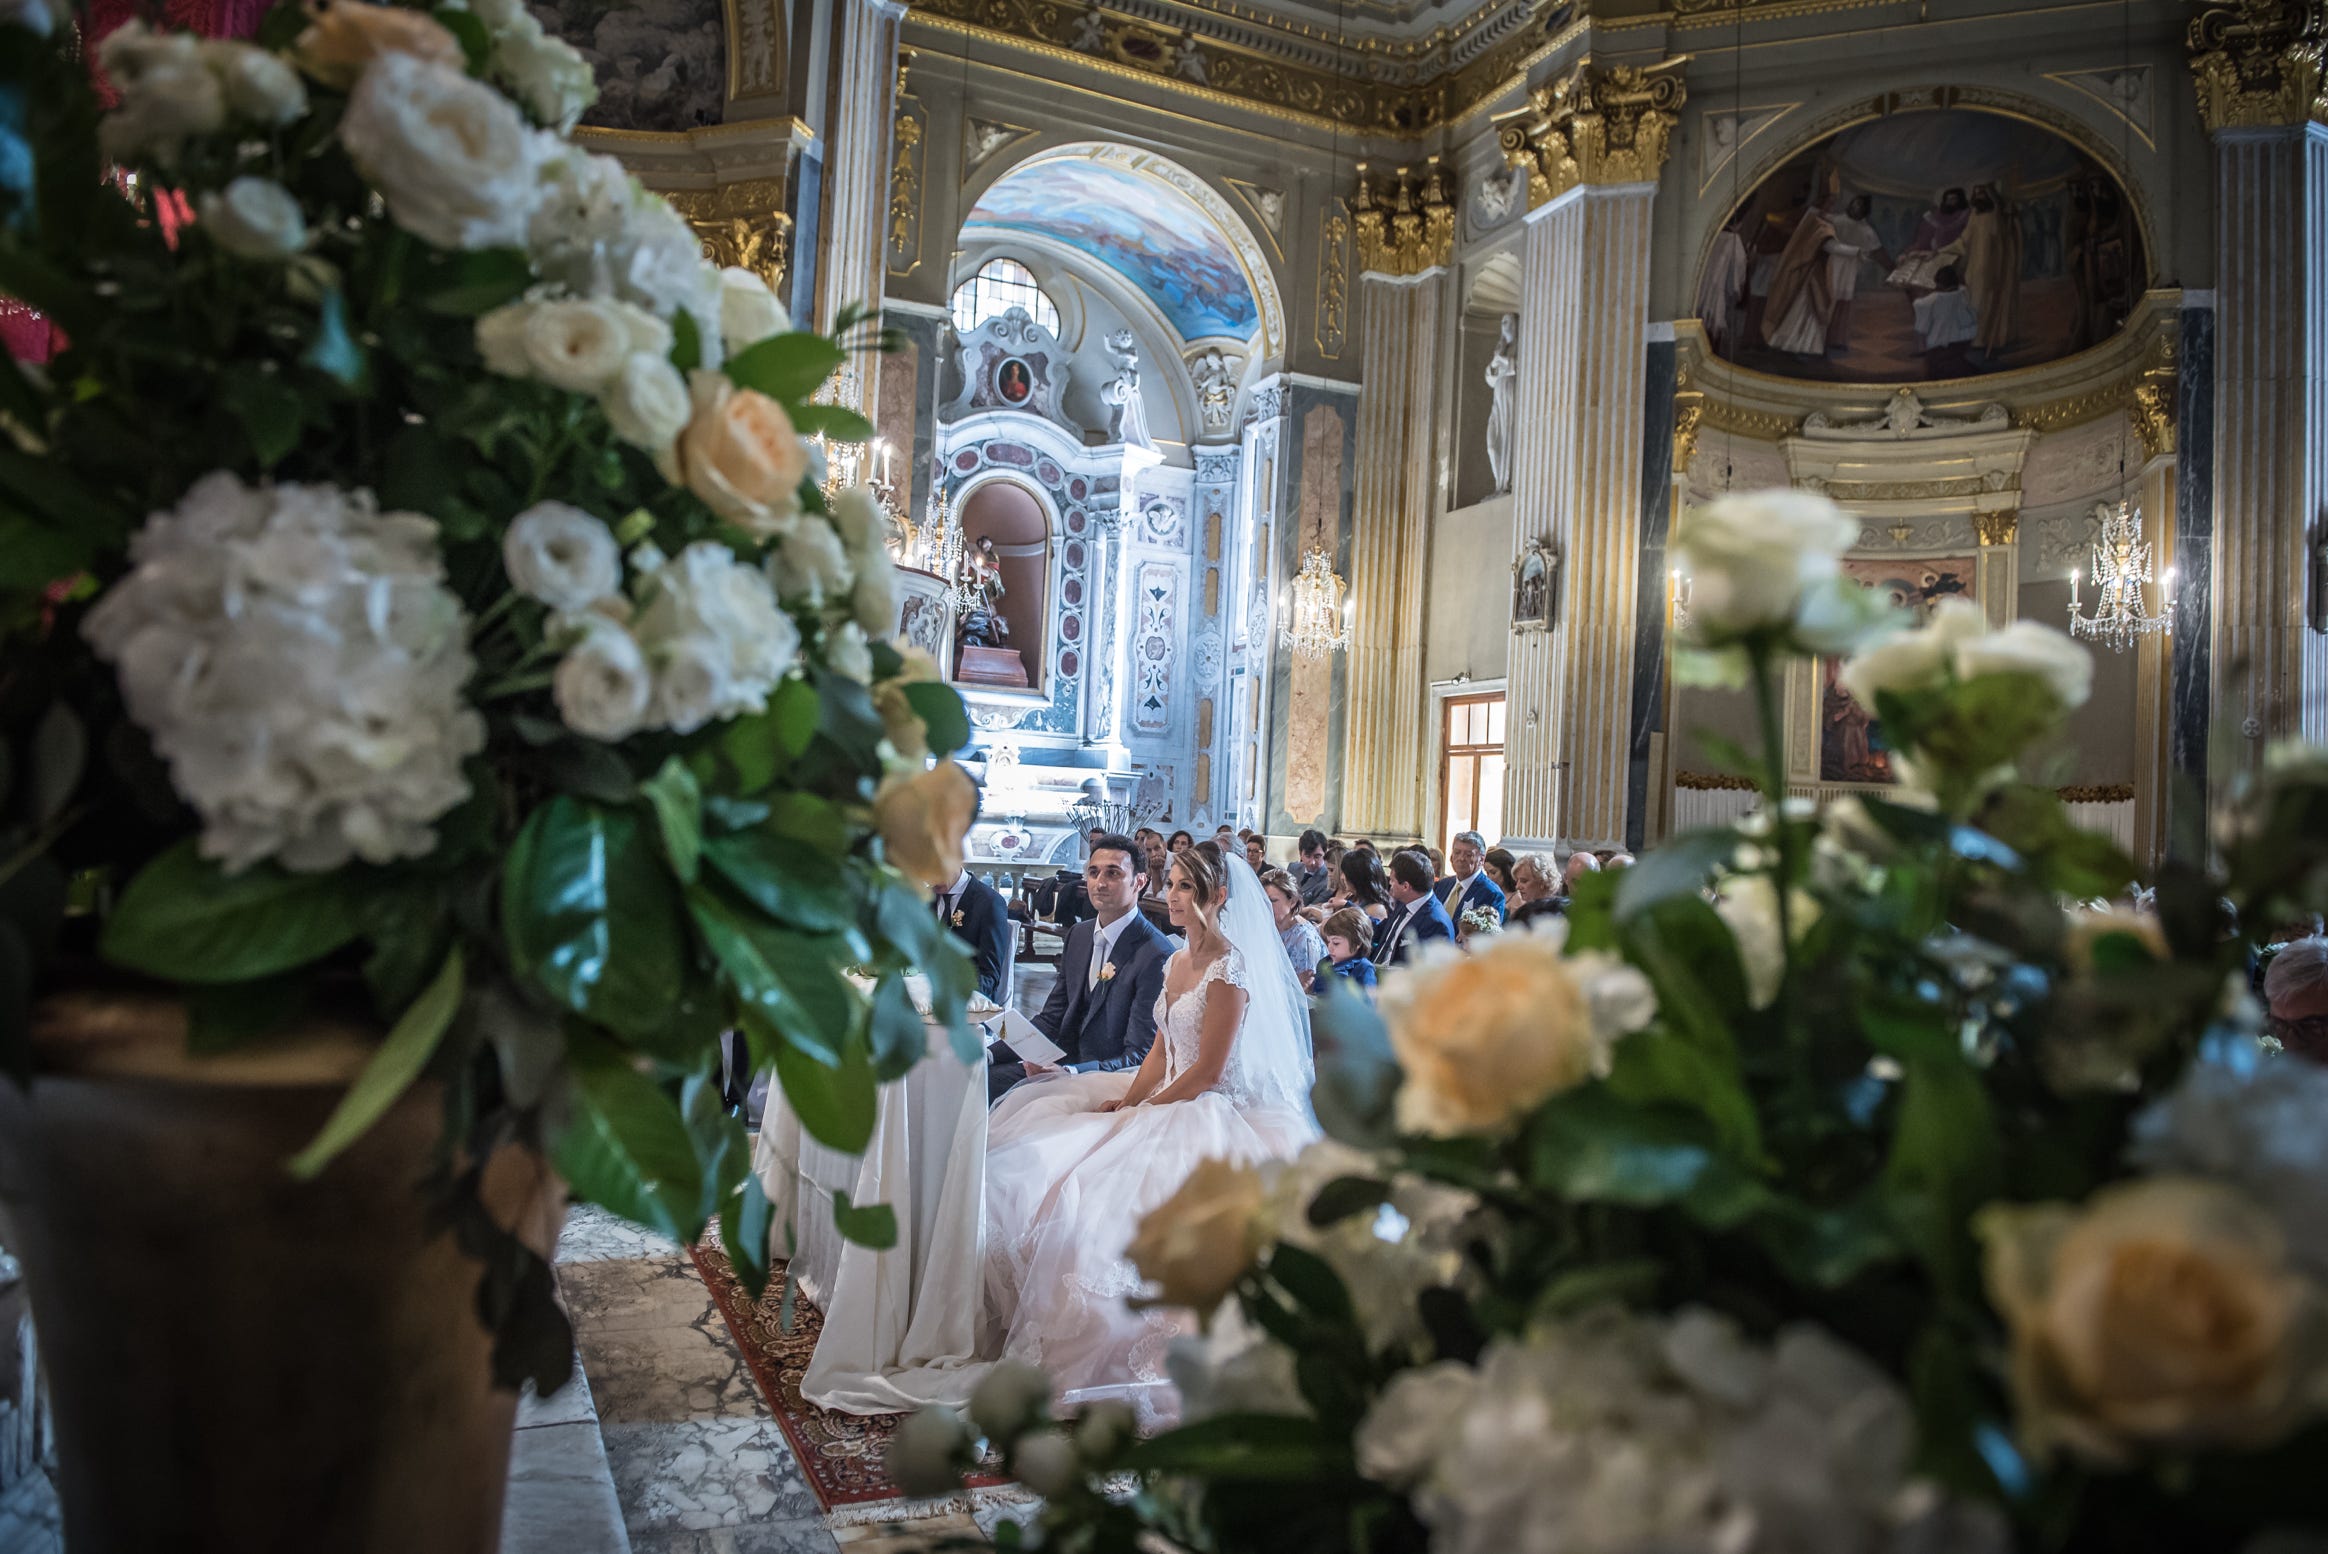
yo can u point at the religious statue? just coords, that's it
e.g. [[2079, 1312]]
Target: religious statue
[[984, 624], [1188, 64], [1502, 369], [1127, 420], [1216, 388]]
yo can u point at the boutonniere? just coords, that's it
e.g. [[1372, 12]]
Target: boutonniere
[[1107, 972], [957, 919]]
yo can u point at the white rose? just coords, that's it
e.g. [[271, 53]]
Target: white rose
[[259, 86], [452, 157], [2025, 647], [562, 556], [875, 601], [255, 218], [691, 682], [864, 528], [810, 565], [647, 404], [1752, 558], [848, 652], [1913, 660], [501, 340], [547, 74], [167, 93], [748, 310], [602, 686], [576, 344]]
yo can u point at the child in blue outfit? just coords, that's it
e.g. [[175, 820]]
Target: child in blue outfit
[[1349, 934]]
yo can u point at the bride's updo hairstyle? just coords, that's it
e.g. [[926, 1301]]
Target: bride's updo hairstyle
[[1208, 878]]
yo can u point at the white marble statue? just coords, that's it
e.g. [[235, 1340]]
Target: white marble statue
[[1216, 388], [1502, 368], [1188, 64], [1127, 420]]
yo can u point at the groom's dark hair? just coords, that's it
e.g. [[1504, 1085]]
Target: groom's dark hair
[[1135, 857]]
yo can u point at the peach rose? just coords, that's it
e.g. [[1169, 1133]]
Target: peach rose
[[347, 35], [1484, 1038], [2159, 1313], [740, 454], [1196, 1244], [923, 819]]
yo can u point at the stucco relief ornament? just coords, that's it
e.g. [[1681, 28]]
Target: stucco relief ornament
[[1905, 417], [1188, 63], [1215, 469], [1206, 658], [1090, 36], [1216, 389], [1127, 419]]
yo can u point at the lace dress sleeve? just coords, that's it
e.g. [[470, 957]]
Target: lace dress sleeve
[[1230, 968]]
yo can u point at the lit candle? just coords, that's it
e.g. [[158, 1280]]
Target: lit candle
[[2073, 588]]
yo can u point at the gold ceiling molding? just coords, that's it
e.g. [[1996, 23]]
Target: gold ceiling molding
[[741, 223], [2257, 63], [1596, 125], [1739, 421], [1405, 225]]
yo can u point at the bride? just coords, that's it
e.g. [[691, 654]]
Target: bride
[[1074, 1162]]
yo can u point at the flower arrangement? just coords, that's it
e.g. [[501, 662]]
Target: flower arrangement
[[1480, 920], [418, 593], [1822, 1182]]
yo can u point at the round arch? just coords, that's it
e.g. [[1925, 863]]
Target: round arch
[[1020, 522]]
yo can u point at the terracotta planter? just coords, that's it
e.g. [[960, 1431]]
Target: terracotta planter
[[239, 1361]]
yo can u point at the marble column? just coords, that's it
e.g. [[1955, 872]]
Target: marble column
[[857, 163], [2190, 671], [2153, 413], [1406, 233], [2258, 70], [1593, 144]]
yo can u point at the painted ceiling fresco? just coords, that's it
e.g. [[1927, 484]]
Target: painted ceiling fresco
[[1150, 233], [661, 64]]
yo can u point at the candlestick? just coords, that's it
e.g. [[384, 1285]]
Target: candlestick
[[2073, 588]]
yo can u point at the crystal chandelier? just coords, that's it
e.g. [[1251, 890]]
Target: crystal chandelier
[[945, 550], [1316, 618], [2121, 615]]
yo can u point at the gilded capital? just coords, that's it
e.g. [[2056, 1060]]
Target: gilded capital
[[2152, 403], [2257, 63], [742, 224], [1998, 528], [1689, 413], [1405, 223], [1596, 125]]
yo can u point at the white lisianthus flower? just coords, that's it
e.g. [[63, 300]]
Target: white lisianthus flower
[[648, 403], [2027, 648], [576, 344], [168, 93], [848, 652], [298, 662], [259, 87], [1233, 1367], [253, 218], [691, 682], [864, 532], [1011, 1394], [1753, 558], [715, 634], [603, 687], [810, 566], [593, 231], [452, 157], [501, 340], [748, 310], [1914, 660], [562, 556]]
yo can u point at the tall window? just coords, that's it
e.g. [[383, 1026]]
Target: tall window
[[999, 286], [1471, 774]]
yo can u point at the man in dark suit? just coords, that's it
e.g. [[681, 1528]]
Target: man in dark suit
[[1469, 888], [978, 916], [1102, 1010], [1419, 915]]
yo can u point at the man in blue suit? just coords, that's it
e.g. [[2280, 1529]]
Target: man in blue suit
[[1470, 889], [976, 914], [1102, 1010], [1419, 915]]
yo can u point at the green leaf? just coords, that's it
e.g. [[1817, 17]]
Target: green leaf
[[271, 410], [626, 1146], [1678, 866], [1592, 1147], [849, 719], [59, 754], [33, 555], [482, 280], [410, 1044], [1345, 1196], [787, 368], [476, 43], [744, 1226], [898, 1037], [1312, 1282], [678, 806], [17, 970], [788, 880], [334, 352], [1628, 1282], [1357, 1076], [219, 1019], [793, 980], [838, 423], [686, 341], [591, 915], [942, 713], [184, 920], [1268, 1448], [836, 1104], [874, 1225]]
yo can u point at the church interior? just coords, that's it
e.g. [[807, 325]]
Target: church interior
[[1287, 423]]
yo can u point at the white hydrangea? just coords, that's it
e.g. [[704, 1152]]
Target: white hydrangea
[[2254, 1120], [299, 664], [1385, 1258], [595, 232], [1617, 1434]]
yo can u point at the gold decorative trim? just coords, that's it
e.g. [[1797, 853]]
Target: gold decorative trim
[[614, 141], [1757, 424], [2257, 63], [1595, 126], [1994, 529], [756, 49], [1405, 225], [1689, 412], [2155, 399], [1714, 782], [2097, 793], [1712, 13], [741, 223], [909, 159], [1332, 334]]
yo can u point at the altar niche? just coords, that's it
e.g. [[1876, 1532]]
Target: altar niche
[[999, 641]]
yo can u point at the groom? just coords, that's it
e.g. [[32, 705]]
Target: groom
[[1102, 1010]]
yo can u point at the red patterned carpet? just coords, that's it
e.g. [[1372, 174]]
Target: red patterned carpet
[[842, 1454]]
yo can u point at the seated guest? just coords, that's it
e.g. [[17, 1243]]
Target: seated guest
[[1617, 861], [1159, 864], [1418, 919], [1580, 863], [1310, 875], [1102, 1008], [1365, 846], [1364, 884], [1470, 890], [1498, 864], [975, 912], [1537, 890], [1303, 947], [1225, 838], [1438, 862], [1348, 935], [1257, 854], [2295, 987], [1180, 842]]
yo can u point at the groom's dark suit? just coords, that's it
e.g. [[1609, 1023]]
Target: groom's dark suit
[[1103, 1026]]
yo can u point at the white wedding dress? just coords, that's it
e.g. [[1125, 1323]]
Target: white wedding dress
[[1067, 1184]]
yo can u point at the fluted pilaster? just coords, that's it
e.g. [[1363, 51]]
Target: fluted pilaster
[[857, 161], [1382, 785]]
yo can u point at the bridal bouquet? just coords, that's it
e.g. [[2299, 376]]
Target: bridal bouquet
[[418, 592], [1823, 1183]]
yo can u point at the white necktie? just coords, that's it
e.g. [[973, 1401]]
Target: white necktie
[[1098, 957]]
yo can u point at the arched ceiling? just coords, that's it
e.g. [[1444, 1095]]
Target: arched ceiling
[[1147, 229]]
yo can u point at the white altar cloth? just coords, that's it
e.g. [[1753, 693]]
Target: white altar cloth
[[901, 1326]]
